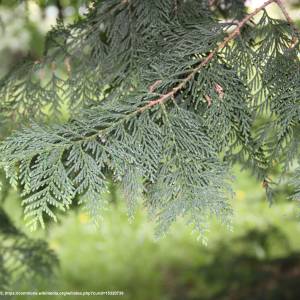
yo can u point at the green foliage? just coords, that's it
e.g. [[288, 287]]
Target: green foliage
[[169, 101], [59, 162], [22, 259], [259, 257]]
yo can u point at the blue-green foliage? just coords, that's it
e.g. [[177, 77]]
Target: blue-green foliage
[[119, 62], [59, 162]]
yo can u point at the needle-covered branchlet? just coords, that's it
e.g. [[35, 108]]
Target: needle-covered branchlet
[[231, 36]]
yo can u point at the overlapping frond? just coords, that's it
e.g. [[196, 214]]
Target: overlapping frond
[[169, 155], [171, 95]]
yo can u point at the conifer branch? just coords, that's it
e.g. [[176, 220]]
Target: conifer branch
[[171, 154], [230, 37]]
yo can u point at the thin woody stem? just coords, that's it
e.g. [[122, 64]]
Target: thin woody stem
[[287, 16], [290, 22]]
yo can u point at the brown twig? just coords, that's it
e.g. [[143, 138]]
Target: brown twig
[[153, 86], [287, 16], [290, 21], [219, 90], [231, 36], [208, 100]]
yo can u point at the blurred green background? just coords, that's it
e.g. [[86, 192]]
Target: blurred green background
[[257, 258]]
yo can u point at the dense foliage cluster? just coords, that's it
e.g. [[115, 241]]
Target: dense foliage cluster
[[162, 97]]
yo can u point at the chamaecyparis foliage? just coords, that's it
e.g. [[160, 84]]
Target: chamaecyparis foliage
[[155, 152], [117, 63], [22, 258]]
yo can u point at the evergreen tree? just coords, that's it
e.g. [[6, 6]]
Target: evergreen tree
[[163, 97]]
